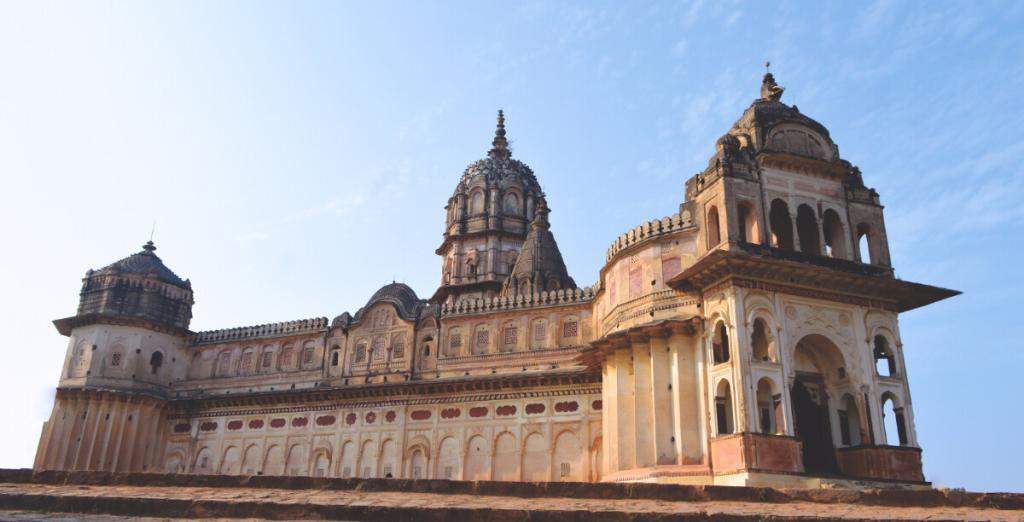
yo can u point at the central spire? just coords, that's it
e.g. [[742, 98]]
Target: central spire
[[500, 144]]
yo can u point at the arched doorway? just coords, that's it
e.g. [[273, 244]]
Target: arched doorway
[[818, 362]]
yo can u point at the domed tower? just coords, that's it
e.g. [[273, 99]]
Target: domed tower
[[126, 348], [488, 219]]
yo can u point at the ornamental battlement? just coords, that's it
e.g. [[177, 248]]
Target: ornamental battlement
[[261, 331], [570, 296], [650, 230]]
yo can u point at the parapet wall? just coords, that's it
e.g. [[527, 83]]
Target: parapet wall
[[301, 326], [570, 296]]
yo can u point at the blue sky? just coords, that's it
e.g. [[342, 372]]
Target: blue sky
[[296, 156]]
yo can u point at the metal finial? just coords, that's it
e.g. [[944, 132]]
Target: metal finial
[[767, 67]]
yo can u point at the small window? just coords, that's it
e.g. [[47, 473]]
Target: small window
[[115, 359], [885, 361], [511, 335], [398, 348], [156, 361], [268, 359], [564, 470], [714, 232], [286, 357], [540, 331], [334, 357], [720, 344], [483, 338], [247, 362], [570, 329], [448, 472], [307, 355], [361, 352]]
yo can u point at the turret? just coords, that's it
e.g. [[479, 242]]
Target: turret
[[126, 349]]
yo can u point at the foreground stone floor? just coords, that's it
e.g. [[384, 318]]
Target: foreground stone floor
[[27, 501]]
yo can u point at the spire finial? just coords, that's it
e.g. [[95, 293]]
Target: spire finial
[[149, 246], [500, 144], [769, 89]]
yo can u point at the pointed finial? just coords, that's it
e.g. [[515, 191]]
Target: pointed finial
[[500, 144], [767, 67], [149, 246], [769, 89], [541, 219]]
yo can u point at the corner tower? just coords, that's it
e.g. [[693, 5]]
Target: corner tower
[[126, 348], [488, 219]]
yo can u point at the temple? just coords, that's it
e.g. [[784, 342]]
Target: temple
[[749, 338]]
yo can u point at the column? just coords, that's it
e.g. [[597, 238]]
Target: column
[[661, 383], [643, 401]]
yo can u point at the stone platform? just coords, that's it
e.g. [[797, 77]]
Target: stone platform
[[104, 496]]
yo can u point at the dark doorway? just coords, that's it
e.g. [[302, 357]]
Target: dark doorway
[[810, 411]]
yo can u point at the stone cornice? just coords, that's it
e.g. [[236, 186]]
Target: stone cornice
[[65, 325], [755, 266]]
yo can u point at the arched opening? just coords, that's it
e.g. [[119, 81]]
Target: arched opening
[[335, 357], [865, 244], [204, 462], [723, 409], [781, 224], [156, 361], [807, 229], [748, 224], [512, 205], [885, 361], [173, 463], [714, 230], [568, 457], [762, 343], [818, 363], [251, 460], [229, 464], [296, 461], [448, 465], [388, 459], [769, 408], [367, 460], [478, 459], [506, 461], [720, 344], [417, 464], [535, 458], [849, 421], [476, 203], [835, 239], [273, 464], [348, 459], [893, 420], [321, 465]]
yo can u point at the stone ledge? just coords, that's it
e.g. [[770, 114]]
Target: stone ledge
[[575, 490]]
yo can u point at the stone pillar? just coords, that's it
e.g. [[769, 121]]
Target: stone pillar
[[626, 426], [665, 435], [643, 400]]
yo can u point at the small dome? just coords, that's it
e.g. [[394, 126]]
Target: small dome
[[145, 263], [400, 295]]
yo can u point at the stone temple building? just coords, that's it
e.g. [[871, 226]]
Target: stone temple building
[[749, 338]]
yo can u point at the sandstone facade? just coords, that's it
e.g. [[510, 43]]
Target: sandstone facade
[[750, 338]]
